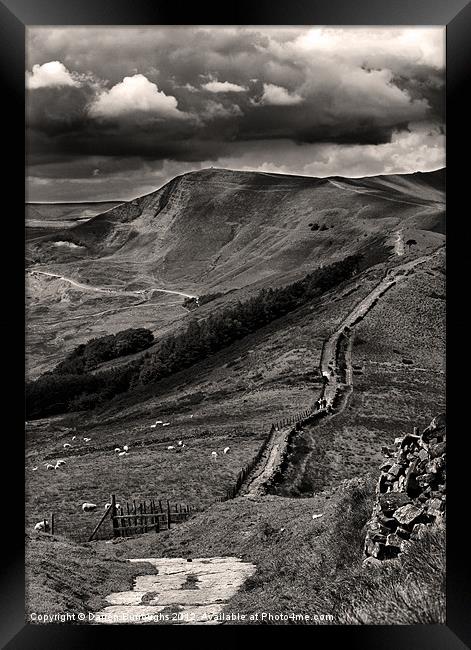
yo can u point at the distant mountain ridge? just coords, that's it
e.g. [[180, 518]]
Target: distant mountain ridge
[[226, 229]]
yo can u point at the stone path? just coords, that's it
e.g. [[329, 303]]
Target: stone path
[[182, 592], [270, 461]]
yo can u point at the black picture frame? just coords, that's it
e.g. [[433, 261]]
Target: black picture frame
[[15, 16]]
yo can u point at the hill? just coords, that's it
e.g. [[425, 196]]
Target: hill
[[222, 229], [214, 231]]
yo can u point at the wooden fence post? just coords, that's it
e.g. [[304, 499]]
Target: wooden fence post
[[128, 520], [51, 524], [142, 510], [168, 514], [134, 509], [113, 515]]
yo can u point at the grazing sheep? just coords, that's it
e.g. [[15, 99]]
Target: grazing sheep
[[152, 426], [35, 469], [41, 525], [180, 443], [107, 505], [191, 415], [165, 424], [122, 453], [73, 437], [57, 465], [49, 466], [170, 447], [118, 449], [214, 455], [87, 439], [317, 516], [89, 507], [67, 445], [159, 421], [226, 449], [126, 448]]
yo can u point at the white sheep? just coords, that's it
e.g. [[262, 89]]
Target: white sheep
[[126, 448], [35, 469], [214, 455], [117, 450], [226, 449], [159, 422], [170, 447], [87, 439], [49, 466], [89, 507], [191, 415], [73, 437], [152, 426], [67, 445], [57, 465], [122, 453], [165, 424], [180, 443], [317, 516], [41, 525], [107, 505]]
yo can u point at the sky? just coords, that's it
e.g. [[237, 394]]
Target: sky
[[115, 112]]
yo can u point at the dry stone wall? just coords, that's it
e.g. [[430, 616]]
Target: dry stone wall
[[411, 492]]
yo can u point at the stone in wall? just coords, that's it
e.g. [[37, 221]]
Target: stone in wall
[[410, 493]]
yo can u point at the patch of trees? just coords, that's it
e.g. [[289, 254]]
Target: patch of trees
[[315, 226], [89, 355], [53, 393], [77, 389]]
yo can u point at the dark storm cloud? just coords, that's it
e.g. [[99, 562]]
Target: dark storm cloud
[[190, 95]]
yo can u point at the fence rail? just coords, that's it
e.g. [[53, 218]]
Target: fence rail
[[143, 517]]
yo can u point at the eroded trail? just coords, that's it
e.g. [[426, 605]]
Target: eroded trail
[[336, 364], [181, 592]]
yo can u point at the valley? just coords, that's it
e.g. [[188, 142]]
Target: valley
[[235, 233]]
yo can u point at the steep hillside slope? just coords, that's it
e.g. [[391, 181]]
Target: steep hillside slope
[[227, 229]]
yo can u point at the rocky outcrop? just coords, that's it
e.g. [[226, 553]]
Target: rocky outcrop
[[411, 492]]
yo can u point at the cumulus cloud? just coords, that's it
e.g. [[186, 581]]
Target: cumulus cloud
[[51, 74], [215, 110], [223, 87], [134, 94], [318, 101], [279, 96]]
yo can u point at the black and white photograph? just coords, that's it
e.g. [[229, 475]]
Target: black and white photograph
[[235, 325]]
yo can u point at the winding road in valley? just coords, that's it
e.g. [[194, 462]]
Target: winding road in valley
[[106, 290], [272, 458]]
